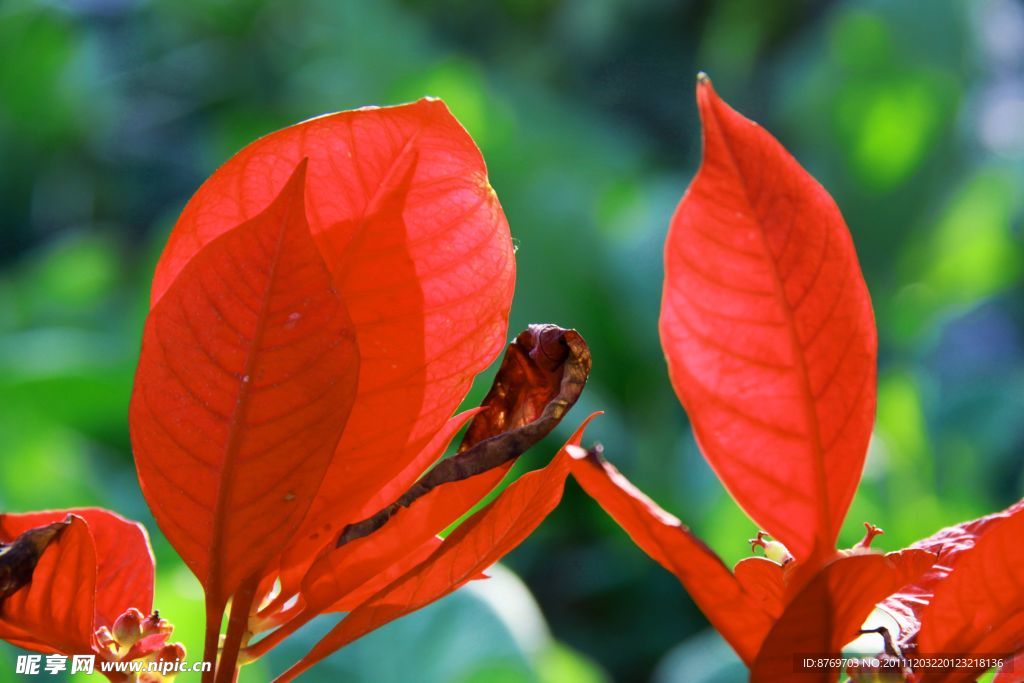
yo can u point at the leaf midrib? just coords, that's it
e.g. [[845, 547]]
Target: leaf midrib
[[238, 416], [806, 398]]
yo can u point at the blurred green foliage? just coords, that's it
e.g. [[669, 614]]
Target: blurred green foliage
[[113, 111]]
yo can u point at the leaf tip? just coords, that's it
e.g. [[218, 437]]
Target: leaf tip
[[706, 95]]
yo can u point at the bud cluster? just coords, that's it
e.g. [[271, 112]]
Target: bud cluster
[[135, 636]]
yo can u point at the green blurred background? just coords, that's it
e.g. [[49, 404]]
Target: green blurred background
[[910, 112]]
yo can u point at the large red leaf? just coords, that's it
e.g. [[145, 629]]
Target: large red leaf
[[247, 375], [769, 332], [54, 612], [473, 547], [828, 611], [738, 615], [399, 203], [950, 544], [979, 608], [124, 559]]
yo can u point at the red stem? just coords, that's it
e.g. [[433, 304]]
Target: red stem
[[274, 638], [289, 675], [238, 630], [214, 616]]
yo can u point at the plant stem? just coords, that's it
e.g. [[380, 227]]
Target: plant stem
[[214, 615], [238, 629], [274, 638]]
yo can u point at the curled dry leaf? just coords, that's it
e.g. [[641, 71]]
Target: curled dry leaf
[[541, 376], [18, 558]]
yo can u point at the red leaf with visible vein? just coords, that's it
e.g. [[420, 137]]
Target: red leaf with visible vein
[[474, 546], [399, 203], [830, 609], [125, 569], [979, 608], [949, 544], [769, 333], [125, 565], [247, 375], [736, 614], [55, 611]]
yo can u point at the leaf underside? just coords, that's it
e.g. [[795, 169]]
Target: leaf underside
[[978, 609], [769, 333], [247, 376], [829, 609]]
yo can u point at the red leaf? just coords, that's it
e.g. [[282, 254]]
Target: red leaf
[[125, 565], [830, 609], [769, 333], [296, 562], [979, 608], [473, 547], [735, 613], [55, 611], [363, 565], [949, 544], [1012, 670], [765, 581], [399, 203], [247, 375]]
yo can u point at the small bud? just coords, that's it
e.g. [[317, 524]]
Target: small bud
[[154, 624], [153, 634], [773, 550], [106, 640], [171, 652], [128, 627]]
